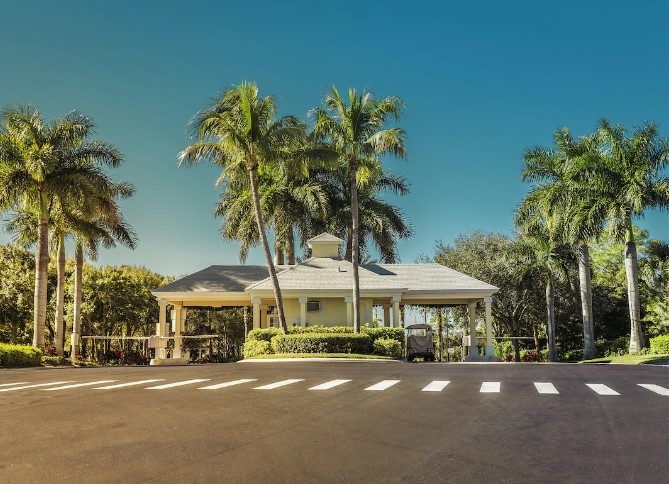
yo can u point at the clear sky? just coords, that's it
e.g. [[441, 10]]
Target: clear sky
[[482, 81]]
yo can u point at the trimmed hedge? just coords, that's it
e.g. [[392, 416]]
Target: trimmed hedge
[[320, 329], [396, 334], [12, 356], [659, 345], [265, 334], [387, 347], [322, 343], [256, 347]]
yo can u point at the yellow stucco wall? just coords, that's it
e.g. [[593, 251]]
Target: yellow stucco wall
[[332, 313]]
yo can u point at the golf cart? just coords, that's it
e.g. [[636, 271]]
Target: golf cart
[[419, 342]]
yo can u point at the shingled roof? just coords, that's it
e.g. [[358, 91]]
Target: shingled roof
[[217, 279]]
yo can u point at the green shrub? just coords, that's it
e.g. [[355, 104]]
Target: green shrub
[[320, 329], [396, 334], [387, 347], [257, 347], [659, 345], [265, 334], [19, 355], [322, 343], [56, 361]]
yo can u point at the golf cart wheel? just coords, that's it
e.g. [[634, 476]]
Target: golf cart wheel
[[409, 358]]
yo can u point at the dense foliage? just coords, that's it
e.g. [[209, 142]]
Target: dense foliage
[[12, 356]]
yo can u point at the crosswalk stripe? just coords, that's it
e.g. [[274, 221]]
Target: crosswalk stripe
[[228, 384], [655, 388], [121, 385], [490, 387], [436, 386], [602, 389], [177, 384], [34, 386], [329, 384], [547, 388], [12, 384], [77, 385], [278, 384], [382, 385]]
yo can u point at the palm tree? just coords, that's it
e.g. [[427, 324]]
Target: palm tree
[[564, 193], [42, 163], [354, 131], [239, 133], [100, 223], [290, 204], [631, 181]]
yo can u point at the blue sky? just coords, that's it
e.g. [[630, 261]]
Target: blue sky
[[482, 81]]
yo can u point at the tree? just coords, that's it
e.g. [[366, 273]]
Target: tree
[[632, 179], [354, 131], [382, 224], [239, 133], [16, 292], [42, 163], [499, 260], [564, 196]]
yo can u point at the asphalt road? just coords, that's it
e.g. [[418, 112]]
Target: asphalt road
[[239, 433]]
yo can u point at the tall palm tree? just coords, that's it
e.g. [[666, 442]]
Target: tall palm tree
[[44, 162], [239, 133], [355, 132], [381, 224], [632, 179], [100, 222], [541, 239], [565, 194]]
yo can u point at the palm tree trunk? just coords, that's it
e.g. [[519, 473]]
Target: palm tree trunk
[[632, 272], [440, 329], [42, 264], [354, 250], [253, 175], [586, 301], [290, 250], [59, 321], [550, 324], [76, 320], [278, 251]]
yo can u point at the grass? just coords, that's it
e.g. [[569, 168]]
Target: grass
[[319, 355], [632, 360]]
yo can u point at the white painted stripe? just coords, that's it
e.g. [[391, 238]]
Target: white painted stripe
[[330, 384], [547, 388], [121, 385], [227, 384], [382, 385], [490, 387], [655, 388], [436, 386], [602, 389], [177, 384], [77, 385], [278, 384], [34, 386], [12, 384]]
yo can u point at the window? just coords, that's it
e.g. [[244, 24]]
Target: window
[[313, 306]]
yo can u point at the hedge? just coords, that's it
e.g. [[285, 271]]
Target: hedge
[[659, 345], [320, 329], [322, 343], [265, 334], [396, 334], [256, 347], [387, 347], [19, 355]]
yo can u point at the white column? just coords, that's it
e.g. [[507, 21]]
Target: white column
[[176, 353], [489, 348], [349, 310], [473, 340], [303, 310], [256, 312], [386, 315], [396, 311], [161, 329]]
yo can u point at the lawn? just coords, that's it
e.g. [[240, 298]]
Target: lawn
[[633, 360]]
